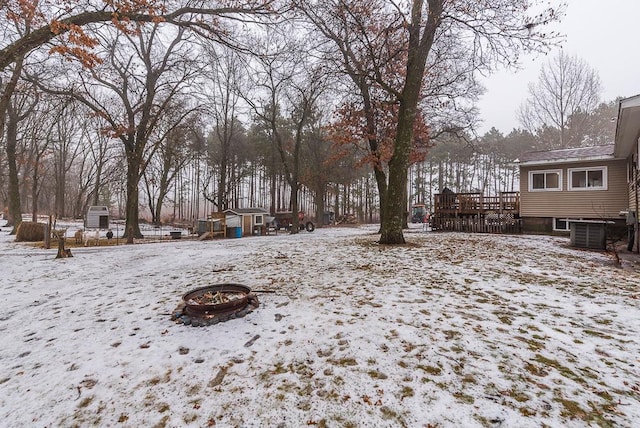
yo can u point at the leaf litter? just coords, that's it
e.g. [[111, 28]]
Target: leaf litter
[[450, 330]]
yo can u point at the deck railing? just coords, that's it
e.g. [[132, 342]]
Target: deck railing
[[477, 225], [476, 203], [474, 212]]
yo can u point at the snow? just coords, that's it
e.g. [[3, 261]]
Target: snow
[[449, 330]]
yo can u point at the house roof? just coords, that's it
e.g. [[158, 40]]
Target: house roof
[[247, 211], [579, 154], [628, 125]]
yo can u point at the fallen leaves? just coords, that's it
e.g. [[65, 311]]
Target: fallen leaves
[[368, 400]]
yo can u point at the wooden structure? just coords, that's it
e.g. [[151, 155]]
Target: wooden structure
[[474, 212], [97, 217], [221, 227], [250, 221]]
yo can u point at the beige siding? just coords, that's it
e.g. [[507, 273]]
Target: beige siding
[[632, 197], [633, 175], [576, 204]]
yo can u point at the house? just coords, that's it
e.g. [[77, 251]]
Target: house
[[586, 183], [626, 147], [250, 221]]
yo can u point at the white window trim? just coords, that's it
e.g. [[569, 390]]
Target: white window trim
[[545, 171], [261, 217], [568, 229], [605, 179]]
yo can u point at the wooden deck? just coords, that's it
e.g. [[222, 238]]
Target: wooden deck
[[474, 212]]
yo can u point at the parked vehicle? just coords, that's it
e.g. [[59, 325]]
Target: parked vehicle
[[419, 214], [284, 220]]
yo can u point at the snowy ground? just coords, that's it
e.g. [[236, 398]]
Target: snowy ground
[[450, 330]]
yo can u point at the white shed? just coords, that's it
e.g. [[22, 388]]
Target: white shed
[[250, 221], [97, 217]]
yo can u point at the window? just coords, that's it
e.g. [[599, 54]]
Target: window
[[588, 178], [258, 219], [561, 224], [540, 181]]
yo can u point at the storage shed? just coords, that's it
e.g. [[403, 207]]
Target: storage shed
[[250, 221], [97, 217]]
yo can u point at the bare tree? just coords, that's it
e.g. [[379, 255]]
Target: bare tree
[[290, 84], [320, 165], [18, 110], [134, 93], [224, 93], [38, 135], [404, 42], [35, 23], [66, 147], [96, 167], [167, 162], [28, 25], [566, 93]]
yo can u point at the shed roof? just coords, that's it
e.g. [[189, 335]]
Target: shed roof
[[578, 154], [247, 211]]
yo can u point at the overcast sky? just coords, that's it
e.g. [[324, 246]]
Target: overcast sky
[[603, 33]]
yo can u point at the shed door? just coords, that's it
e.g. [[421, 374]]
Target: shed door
[[247, 224], [104, 222]]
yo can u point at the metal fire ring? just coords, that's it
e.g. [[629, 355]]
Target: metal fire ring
[[204, 310]]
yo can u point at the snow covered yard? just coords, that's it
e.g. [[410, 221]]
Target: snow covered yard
[[450, 330]]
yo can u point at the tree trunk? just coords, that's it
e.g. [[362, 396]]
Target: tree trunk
[[222, 185], [405, 217], [15, 210], [34, 192], [272, 188], [381, 181], [61, 179], [295, 221], [97, 185], [418, 51], [151, 202], [132, 224], [162, 194], [392, 221], [62, 252], [319, 199]]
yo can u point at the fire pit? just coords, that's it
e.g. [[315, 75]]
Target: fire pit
[[215, 303]]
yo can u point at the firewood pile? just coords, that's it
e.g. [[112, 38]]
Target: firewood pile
[[347, 219], [215, 298]]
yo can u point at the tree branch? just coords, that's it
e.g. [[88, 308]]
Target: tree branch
[[50, 31]]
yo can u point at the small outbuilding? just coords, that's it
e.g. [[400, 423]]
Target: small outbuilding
[[245, 221], [97, 217]]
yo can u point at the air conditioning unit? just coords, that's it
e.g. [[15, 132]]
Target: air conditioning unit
[[589, 235]]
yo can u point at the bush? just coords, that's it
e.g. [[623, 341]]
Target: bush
[[30, 232]]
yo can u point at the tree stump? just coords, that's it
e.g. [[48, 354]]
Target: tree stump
[[62, 252]]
